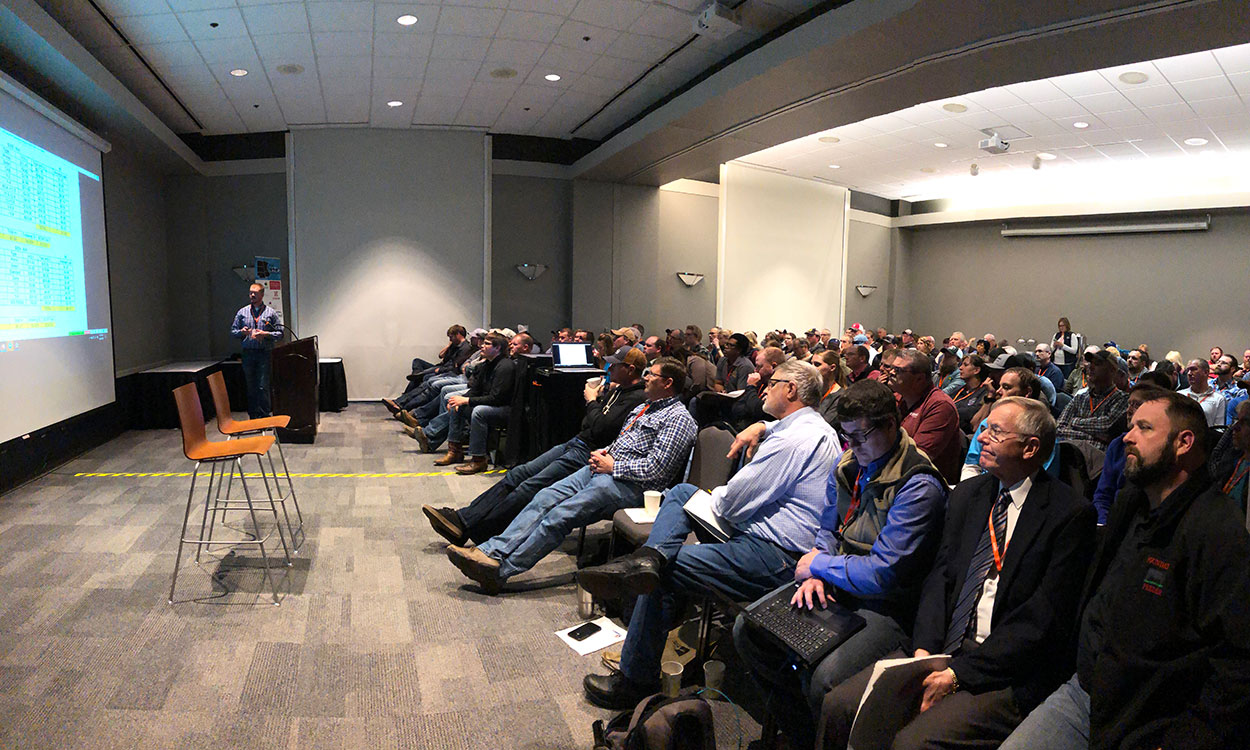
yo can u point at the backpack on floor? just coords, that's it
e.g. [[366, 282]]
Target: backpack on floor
[[660, 723]]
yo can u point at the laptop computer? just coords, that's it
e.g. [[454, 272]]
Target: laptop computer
[[574, 358], [810, 633]]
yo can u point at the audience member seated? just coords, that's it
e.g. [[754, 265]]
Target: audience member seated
[[606, 408], [1017, 381], [773, 504], [1236, 482], [947, 373], [1047, 368], [1095, 416], [1216, 353], [815, 344], [734, 367], [833, 383], [972, 393], [1078, 380], [1111, 478], [627, 336], [1138, 362], [412, 401], [700, 374], [1162, 658], [879, 531], [647, 455], [652, 347], [856, 358], [1234, 392], [1212, 401], [750, 407], [928, 415], [694, 342], [451, 357], [1003, 612]]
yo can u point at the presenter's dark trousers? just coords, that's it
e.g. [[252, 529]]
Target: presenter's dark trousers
[[491, 512], [256, 366]]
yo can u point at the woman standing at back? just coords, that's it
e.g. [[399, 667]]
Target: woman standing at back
[[1067, 348]]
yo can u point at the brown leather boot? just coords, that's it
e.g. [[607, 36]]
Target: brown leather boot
[[475, 465], [455, 454]]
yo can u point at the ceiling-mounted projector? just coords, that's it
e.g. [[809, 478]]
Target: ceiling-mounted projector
[[994, 144], [716, 21]]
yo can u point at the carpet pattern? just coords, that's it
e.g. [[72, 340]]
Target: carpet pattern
[[379, 642]]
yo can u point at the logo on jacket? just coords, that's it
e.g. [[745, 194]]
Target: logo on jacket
[[1156, 573]]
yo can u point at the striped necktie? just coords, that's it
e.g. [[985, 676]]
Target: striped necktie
[[964, 615]]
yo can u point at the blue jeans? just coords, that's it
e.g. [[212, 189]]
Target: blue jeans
[[744, 568], [1060, 723], [438, 404], [256, 368], [424, 393], [481, 420], [580, 498], [491, 512], [437, 429], [796, 691]]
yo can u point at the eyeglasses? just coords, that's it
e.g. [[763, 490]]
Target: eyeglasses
[[859, 438], [775, 381], [996, 434]]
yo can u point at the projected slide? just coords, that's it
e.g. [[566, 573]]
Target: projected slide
[[42, 281]]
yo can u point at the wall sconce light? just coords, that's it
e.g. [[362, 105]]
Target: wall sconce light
[[245, 272], [865, 289], [689, 279], [531, 271]]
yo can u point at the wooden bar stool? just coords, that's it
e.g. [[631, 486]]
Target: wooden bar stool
[[232, 429], [198, 448]]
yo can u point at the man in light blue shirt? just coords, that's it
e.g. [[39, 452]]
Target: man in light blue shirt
[[773, 505], [259, 326]]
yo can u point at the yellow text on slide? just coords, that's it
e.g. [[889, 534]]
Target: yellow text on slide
[[57, 308], [53, 230], [40, 324], [25, 240]]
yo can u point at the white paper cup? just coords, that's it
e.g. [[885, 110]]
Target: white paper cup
[[651, 501], [713, 674], [670, 678]]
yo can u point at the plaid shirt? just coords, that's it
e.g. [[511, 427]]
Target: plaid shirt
[[653, 444], [1078, 422]]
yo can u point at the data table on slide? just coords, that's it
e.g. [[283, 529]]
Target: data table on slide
[[42, 284]]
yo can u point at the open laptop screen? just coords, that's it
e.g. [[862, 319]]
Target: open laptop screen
[[572, 355]]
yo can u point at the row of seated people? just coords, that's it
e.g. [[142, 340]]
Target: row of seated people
[[873, 528]]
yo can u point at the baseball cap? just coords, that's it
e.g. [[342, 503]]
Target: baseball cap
[[629, 332], [628, 355], [812, 332], [1104, 356], [999, 362], [860, 339], [478, 333]]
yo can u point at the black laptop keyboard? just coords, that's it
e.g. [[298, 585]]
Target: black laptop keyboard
[[806, 636]]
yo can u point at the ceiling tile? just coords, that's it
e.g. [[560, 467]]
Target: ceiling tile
[[190, 77], [517, 54], [1060, 108], [239, 52], [559, 7], [533, 27], [612, 14], [398, 67], [181, 6], [665, 22], [385, 15], [1241, 82], [1158, 147], [342, 42], [1153, 76], [199, 24], [280, 49], [538, 96], [455, 47], [358, 67], [1170, 113], [1112, 101], [282, 18], [469, 21], [300, 105], [351, 107], [440, 72], [641, 48], [169, 55], [403, 89], [479, 113], [433, 109], [1189, 67], [157, 29], [1220, 107], [1234, 59], [1140, 132], [1205, 88], [403, 45], [573, 34], [341, 16], [1124, 118], [1083, 84], [617, 68], [996, 98], [564, 60], [1153, 96], [1034, 92], [118, 8]]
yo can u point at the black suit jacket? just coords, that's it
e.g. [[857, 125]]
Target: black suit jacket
[[1031, 645]]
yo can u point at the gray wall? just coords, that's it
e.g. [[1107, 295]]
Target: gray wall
[[215, 223], [1171, 291], [868, 256], [139, 288], [531, 222], [629, 242], [389, 245]]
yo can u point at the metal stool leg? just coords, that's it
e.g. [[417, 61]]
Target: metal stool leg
[[290, 485], [260, 542], [292, 531], [277, 522], [208, 500], [183, 535]]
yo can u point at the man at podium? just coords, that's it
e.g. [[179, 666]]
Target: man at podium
[[259, 326]]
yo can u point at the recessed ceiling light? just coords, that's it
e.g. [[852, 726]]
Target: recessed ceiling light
[[238, 72], [955, 107], [1195, 141], [1080, 124], [503, 73], [829, 139], [406, 20], [553, 77], [291, 69], [1133, 76], [1046, 156], [928, 170], [395, 103], [835, 166], [939, 144]]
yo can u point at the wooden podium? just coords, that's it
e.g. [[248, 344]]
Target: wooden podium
[[294, 385]]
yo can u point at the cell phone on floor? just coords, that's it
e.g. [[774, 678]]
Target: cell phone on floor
[[584, 631]]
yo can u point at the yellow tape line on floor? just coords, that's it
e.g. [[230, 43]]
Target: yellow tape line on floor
[[256, 475]]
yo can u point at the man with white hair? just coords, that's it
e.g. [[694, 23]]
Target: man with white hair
[[1047, 368]]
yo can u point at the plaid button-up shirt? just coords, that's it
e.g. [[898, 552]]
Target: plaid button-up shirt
[[653, 444]]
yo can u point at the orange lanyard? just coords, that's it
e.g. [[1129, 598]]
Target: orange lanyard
[[638, 417], [998, 558], [854, 499], [1094, 407], [1238, 473], [961, 396], [832, 388]]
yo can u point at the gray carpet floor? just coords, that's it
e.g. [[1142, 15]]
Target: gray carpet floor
[[378, 642]]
